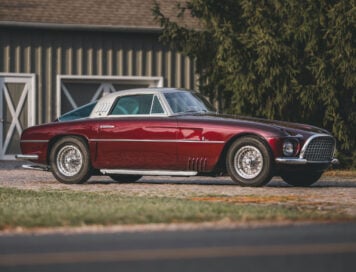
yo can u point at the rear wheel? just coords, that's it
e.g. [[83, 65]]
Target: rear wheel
[[125, 178], [249, 162], [70, 160], [303, 179]]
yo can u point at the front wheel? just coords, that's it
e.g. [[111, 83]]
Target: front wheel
[[70, 160], [303, 179], [249, 162]]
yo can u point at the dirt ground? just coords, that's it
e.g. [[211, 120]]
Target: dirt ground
[[336, 191]]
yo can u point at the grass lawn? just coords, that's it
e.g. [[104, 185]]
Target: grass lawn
[[29, 209]]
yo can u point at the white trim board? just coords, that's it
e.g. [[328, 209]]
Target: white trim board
[[28, 92]]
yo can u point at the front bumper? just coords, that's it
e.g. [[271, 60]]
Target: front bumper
[[300, 161]]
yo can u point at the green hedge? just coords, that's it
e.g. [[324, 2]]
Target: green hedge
[[281, 59]]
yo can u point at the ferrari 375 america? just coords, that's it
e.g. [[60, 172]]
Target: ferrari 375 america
[[174, 132]]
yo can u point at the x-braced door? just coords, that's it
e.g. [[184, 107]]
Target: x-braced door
[[17, 105]]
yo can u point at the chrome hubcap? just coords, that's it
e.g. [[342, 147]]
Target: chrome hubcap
[[69, 160], [248, 162]]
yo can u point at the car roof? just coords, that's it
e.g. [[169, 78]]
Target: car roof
[[105, 103], [152, 90]]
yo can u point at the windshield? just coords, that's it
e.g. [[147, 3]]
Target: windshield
[[81, 112], [186, 102]]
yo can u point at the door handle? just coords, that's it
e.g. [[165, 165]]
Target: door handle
[[107, 126]]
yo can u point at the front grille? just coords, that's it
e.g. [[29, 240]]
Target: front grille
[[320, 148]]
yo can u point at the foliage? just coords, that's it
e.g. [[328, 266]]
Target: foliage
[[280, 59]]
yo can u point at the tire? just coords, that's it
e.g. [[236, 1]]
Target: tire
[[303, 179], [70, 160], [249, 162], [125, 178]]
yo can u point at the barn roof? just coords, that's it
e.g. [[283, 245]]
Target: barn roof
[[129, 15]]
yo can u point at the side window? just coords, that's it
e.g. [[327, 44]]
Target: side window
[[156, 106], [144, 104], [133, 105]]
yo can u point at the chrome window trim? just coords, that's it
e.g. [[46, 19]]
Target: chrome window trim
[[109, 100], [164, 102], [154, 94], [135, 115]]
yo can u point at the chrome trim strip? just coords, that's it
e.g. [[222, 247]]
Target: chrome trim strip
[[134, 115], [26, 157], [148, 172], [36, 167], [34, 141], [157, 141]]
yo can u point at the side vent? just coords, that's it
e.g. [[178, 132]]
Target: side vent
[[197, 164]]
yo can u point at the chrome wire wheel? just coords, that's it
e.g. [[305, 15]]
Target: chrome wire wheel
[[69, 160], [248, 162]]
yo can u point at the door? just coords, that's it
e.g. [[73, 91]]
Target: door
[[137, 143], [16, 111], [137, 135]]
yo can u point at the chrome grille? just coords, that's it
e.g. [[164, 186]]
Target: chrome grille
[[319, 148]]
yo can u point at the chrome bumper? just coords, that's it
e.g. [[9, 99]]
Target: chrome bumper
[[36, 167], [26, 157], [299, 161], [32, 166]]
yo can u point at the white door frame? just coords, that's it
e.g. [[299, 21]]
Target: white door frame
[[29, 91], [106, 85]]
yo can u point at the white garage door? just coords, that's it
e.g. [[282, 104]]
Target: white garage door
[[17, 104]]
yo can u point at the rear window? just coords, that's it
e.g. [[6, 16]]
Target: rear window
[[78, 113]]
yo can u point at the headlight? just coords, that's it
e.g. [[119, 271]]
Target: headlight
[[288, 148]]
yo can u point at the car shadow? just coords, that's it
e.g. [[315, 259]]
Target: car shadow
[[223, 181]]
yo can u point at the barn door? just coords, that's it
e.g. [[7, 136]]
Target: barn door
[[74, 91], [79, 93], [16, 111]]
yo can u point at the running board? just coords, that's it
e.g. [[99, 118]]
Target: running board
[[148, 172]]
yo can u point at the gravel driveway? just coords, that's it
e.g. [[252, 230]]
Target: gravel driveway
[[337, 192]]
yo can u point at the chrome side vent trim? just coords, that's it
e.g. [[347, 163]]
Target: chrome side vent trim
[[198, 164]]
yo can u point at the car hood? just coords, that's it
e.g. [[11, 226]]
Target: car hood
[[288, 128]]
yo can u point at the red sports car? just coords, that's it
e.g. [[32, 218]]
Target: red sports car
[[174, 132]]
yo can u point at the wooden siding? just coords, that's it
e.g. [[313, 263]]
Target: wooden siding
[[49, 53]]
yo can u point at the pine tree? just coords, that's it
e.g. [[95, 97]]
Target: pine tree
[[280, 59]]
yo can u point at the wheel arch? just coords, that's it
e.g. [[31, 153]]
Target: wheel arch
[[222, 159], [56, 138]]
